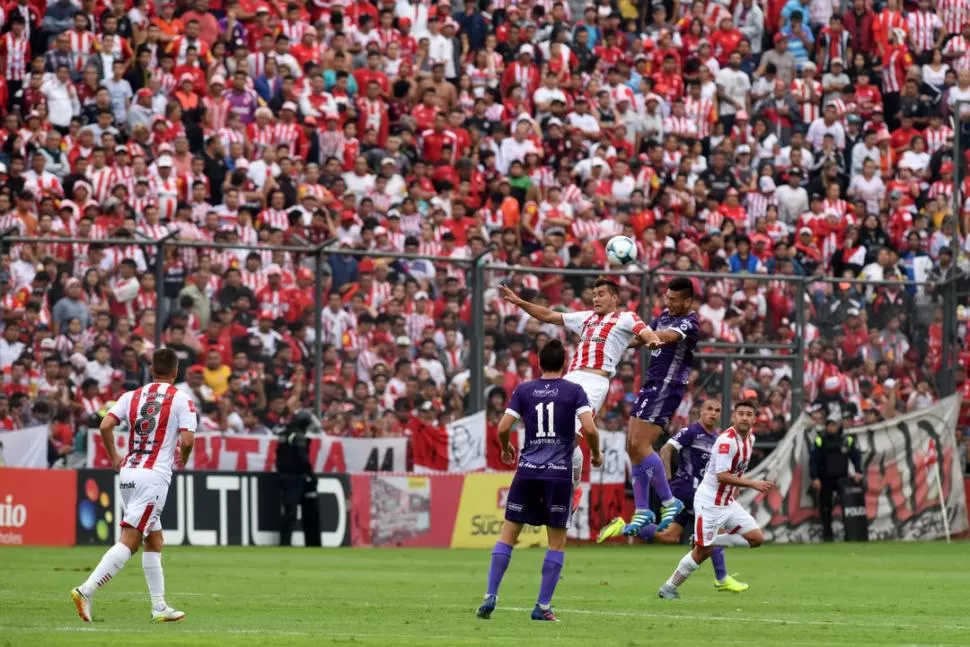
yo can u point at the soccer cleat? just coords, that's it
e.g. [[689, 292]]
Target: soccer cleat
[[668, 592], [668, 512], [488, 605], [640, 519], [613, 529], [82, 603], [577, 497], [544, 614], [730, 584], [168, 614]]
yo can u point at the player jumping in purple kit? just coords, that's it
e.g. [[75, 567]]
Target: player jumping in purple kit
[[677, 330], [692, 448], [541, 491]]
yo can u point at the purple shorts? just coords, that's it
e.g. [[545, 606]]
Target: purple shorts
[[685, 493], [538, 502], [658, 402]]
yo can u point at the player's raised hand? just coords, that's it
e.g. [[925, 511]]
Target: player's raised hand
[[508, 295], [597, 460], [116, 463], [762, 486], [508, 455]]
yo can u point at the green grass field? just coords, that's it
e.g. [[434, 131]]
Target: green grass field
[[858, 594]]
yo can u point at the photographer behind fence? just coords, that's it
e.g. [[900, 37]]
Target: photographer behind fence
[[298, 484], [830, 454]]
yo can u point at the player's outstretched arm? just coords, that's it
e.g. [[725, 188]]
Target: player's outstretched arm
[[543, 314], [667, 453], [592, 437], [727, 478]]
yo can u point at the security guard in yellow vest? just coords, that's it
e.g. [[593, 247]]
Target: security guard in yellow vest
[[831, 453]]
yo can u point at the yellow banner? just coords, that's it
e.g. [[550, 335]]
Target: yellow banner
[[481, 513]]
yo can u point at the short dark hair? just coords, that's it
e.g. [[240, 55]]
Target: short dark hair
[[681, 284], [746, 403], [552, 357], [614, 288], [164, 363]]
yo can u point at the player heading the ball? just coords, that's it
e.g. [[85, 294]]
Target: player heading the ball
[[542, 487]]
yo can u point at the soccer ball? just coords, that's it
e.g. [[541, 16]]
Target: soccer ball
[[621, 250]]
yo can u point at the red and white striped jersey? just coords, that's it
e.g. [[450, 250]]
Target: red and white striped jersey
[[939, 188], [935, 138], [922, 27], [216, 113], [680, 126], [166, 82], [731, 453], [101, 182], [155, 415], [287, 135], [959, 47], [953, 13], [167, 194], [82, 46], [602, 338], [894, 70], [273, 218], [15, 52], [294, 30], [801, 90], [230, 136], [702, 112]]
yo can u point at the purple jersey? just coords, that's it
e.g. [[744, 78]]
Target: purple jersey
[[693, 445], [548, 409], [671, 364]]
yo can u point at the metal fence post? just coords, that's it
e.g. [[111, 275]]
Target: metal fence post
[[727, 381], [947, 383], [798, 369], [318, 326], [477, 331], [646, 308], [957, 181], [160, 309]]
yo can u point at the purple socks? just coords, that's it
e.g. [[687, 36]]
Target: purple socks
[[551, 568], [720, 567], [649, 471], [501, 556]]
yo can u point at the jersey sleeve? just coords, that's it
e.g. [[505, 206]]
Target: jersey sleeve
[[582, 402], [631, 322], [682, 438], [687, 328], [724, 451], [573, 321], [514, 407], [119, 410], [188, 419]]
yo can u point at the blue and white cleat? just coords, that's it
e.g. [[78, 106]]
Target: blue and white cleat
[[668, 592], [640, 519], [544, 614], [669, 512], [488, 605]]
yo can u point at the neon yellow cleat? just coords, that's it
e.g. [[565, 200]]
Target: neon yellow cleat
[[613, 529], [730, 584]]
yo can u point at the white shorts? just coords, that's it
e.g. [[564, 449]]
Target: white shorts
[[596, 388], [709, 520], [143, 494]]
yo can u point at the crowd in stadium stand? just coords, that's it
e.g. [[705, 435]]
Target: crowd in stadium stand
[[748, 138]]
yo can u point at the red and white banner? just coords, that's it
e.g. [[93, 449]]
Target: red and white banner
[[24, 447], [216, 452], [459, 447], [902, 491]]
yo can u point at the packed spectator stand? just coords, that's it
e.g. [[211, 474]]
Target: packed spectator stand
[[405, 143]]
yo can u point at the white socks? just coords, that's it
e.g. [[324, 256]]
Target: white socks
[[731, 540], [684, 569], [151, 563], [112, 562]]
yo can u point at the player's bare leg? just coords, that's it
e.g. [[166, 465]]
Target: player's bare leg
[[672, 534], [577, 477], [501, 556], [151, 563], [648, 470], [692, 560], [112, 562]]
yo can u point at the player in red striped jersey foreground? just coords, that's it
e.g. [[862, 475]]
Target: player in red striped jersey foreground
[[719, 519], [161, 423]]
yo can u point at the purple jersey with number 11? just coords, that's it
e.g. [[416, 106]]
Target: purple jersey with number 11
[[548, 410]]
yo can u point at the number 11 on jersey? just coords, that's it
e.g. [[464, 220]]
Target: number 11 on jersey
[[545, 420]]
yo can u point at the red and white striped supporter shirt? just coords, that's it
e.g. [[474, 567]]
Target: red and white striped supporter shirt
[[801, 90], [702, 112], [101, 182], [935, 138], [954, 14], [16, 52], [602, 338], [731, 453], [922, 27], [155, 415]]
